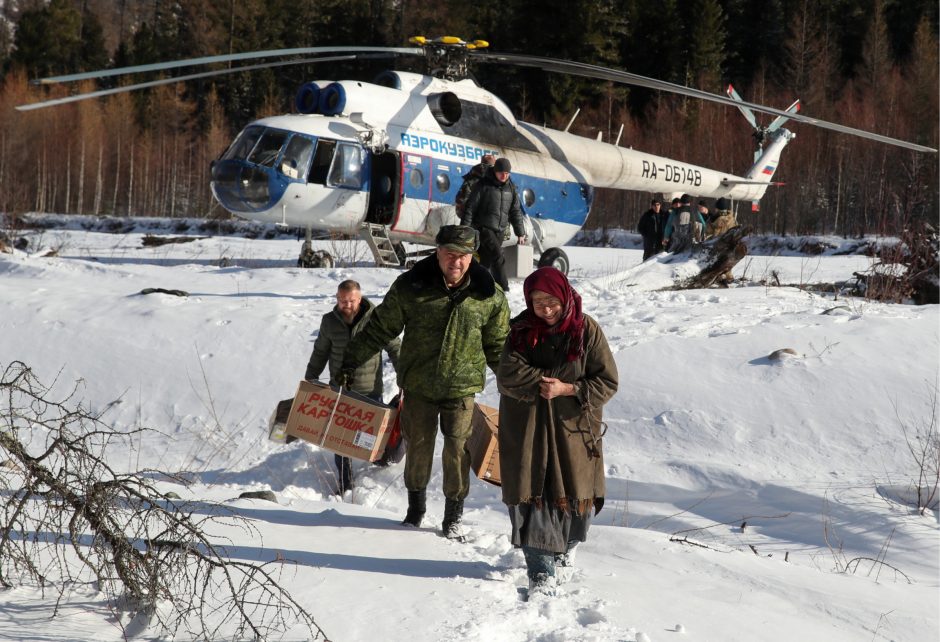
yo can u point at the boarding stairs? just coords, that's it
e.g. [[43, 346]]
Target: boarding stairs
[[383, 250]]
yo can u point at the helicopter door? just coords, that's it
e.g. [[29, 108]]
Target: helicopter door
[[415, 193], [385, 185]]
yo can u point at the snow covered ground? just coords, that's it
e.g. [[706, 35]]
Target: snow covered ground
[[774, 474]]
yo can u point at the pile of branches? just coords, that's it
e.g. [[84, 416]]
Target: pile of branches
[[68, 518], [909, 271]]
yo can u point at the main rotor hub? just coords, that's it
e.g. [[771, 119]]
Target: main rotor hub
[[448, 56]]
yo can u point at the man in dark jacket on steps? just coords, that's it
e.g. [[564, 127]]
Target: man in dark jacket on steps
[[492, 206], [455, 322], [337, 328]]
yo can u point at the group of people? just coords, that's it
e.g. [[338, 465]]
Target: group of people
[[679, 228], [554, 371]]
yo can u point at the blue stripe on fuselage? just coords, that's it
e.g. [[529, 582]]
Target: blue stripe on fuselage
[[562, 201]]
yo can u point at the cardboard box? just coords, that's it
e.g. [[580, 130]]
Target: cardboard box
[[358, 428], [277, 424], [484, 445]]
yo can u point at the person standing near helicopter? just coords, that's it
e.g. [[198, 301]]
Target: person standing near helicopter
[[492, 206], [455, 321], [650, 228], [684, 227], [470, 180], [555, 374], [337, 328]]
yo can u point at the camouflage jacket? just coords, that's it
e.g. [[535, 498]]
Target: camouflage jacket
[[450, 335]]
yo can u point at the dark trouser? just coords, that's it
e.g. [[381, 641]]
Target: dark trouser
[[541, 562], [419, 420], [491, 256], [650, 247], [343, 472], [344, 464]]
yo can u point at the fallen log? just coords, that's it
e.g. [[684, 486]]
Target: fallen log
[[716, 257]]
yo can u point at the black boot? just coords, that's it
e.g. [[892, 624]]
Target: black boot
[[453, 512], [417, 505]]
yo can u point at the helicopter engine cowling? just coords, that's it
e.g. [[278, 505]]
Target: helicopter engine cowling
[[332, 99], [445, 107], [307, 100]]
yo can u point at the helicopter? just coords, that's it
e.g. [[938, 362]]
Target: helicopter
[[385, 159]]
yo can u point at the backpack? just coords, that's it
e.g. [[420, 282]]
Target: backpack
[[681, 232]]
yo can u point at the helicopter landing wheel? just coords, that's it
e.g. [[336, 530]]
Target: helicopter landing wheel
[[310, 258], [556, 258]]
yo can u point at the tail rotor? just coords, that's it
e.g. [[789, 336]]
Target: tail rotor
[[770, 140]]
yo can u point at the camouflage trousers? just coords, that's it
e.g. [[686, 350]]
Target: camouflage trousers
[[419, 421]]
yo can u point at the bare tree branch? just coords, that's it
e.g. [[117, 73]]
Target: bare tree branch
[[70, 518]]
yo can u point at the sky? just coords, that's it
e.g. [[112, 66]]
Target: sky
[[748, 498]]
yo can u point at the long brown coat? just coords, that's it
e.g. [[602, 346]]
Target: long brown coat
[[558, 439]]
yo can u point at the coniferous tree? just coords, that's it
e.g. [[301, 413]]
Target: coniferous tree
[[705, 45], [756, 31], [49, 40], [922, 84], [922, 96], [876, 52], [654, 49], [92, 53], [901, 19]]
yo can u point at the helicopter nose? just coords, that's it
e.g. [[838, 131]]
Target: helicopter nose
[[242, 187]]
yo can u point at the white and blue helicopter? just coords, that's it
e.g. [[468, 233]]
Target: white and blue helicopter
[[385, 159]]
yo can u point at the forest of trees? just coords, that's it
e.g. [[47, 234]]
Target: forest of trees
[[870, 64]]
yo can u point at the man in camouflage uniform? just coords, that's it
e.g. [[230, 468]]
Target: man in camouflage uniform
[[723, 220], [455, 322]]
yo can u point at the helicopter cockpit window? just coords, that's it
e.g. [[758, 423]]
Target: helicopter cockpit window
[[322, 161], [443, 183], [268, 148], [528, 197], [243, 145], [347, 166], [296, 157]]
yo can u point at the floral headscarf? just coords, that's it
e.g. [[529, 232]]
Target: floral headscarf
[[528, 329]]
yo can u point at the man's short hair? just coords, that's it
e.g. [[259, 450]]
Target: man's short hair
[[676, 201], [349, 286], [488, 159], [458, 238], [656, 201]]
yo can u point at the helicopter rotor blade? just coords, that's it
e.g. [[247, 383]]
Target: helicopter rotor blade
[[614, 75], [748, 114], [780, 120], [208, 60], [168, 81]]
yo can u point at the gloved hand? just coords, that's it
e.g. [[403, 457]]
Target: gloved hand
[[346, 377]]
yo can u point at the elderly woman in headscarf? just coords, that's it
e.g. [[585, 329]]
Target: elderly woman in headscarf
[[555, 374]]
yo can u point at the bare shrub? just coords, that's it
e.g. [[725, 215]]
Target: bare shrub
[[907, 270], [70, 518], [922, 436], [842, 563]]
